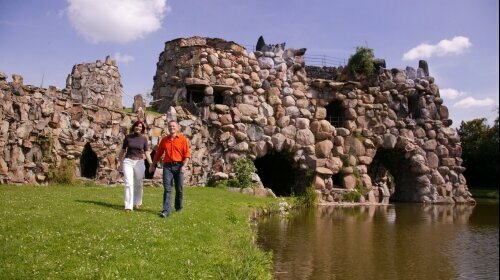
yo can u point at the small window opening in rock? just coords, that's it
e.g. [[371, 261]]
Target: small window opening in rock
[[218, 97], [278, 173], [335, 113], [17, 111], [337, 180], [88, 162], [413, 110], [195, 94]]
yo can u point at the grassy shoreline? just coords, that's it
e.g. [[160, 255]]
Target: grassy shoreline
[[82, 232], [484, 193]]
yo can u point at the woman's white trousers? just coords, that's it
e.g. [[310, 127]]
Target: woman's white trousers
[[133, 172]]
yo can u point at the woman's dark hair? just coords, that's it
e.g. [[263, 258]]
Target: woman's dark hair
[[136, 124]]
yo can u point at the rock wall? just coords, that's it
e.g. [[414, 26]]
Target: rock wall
[[39, 127], [383, 136], [343, 130]]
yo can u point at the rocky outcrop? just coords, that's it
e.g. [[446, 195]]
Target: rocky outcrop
[[96, 83], [383, 136], [343, 131], [39, 127]]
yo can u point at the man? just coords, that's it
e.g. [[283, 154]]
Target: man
[[175, 151]]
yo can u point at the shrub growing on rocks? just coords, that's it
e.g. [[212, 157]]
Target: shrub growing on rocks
[[63, 174], [361, 62], [244, 168]]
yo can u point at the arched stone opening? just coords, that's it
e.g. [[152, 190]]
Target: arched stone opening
[[147, 174], [391, 173], [88, 162], [335, 113], [279, 173]]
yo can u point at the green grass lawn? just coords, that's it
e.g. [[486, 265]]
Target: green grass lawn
[[78, 232]]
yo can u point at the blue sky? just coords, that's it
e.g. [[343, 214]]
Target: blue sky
[[42, 40]]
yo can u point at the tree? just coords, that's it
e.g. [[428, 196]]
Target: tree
[[480, 153], [361, 62]]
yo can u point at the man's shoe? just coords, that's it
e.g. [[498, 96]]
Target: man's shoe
[[163, 215], [137, 206], [128, 210]]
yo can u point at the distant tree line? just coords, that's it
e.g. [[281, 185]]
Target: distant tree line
[[480, 153]]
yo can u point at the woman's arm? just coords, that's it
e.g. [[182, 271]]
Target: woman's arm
[[148, 157]]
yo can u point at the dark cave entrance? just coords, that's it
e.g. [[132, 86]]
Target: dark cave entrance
[[88, 162], [278, 172], [389, 168]]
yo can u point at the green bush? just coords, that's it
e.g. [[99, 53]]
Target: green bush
[[353, 196], [233, 183], [361, 62], [64, 173], [244, 168], [308, 197], [212, 183]]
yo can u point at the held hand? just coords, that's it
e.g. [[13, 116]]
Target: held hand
[[152, 168], [183, 168]]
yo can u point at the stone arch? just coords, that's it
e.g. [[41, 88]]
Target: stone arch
[[278, 172], [392, 175], [335, 113], [89, 162]]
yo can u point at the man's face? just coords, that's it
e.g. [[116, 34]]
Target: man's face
[[172, 128]]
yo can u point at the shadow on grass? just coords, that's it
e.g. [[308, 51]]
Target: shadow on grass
[[114, 206]]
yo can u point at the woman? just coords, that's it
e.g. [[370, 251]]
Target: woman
[[135, 147]]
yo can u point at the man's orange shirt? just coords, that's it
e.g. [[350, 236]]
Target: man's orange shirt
[[176, 149]]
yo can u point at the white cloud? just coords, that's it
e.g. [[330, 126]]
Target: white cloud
[[472, 102], [457, 45], [123, 58], [119, 21], [451, 93]]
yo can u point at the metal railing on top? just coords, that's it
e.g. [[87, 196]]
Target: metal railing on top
[[323, 60], [314, 59]]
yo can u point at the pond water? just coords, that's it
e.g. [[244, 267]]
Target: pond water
[[396, 241]]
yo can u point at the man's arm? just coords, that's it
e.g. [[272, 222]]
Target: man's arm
[[184, 164], [186, 155]]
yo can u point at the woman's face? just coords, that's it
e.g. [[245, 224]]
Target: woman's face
[[138, 129]]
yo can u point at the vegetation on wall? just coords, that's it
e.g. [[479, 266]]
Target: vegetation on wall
[[361, 62], [64, 173], [308, 196], [243, 168]]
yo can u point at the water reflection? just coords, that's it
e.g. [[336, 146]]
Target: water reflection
[[402, 241]]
